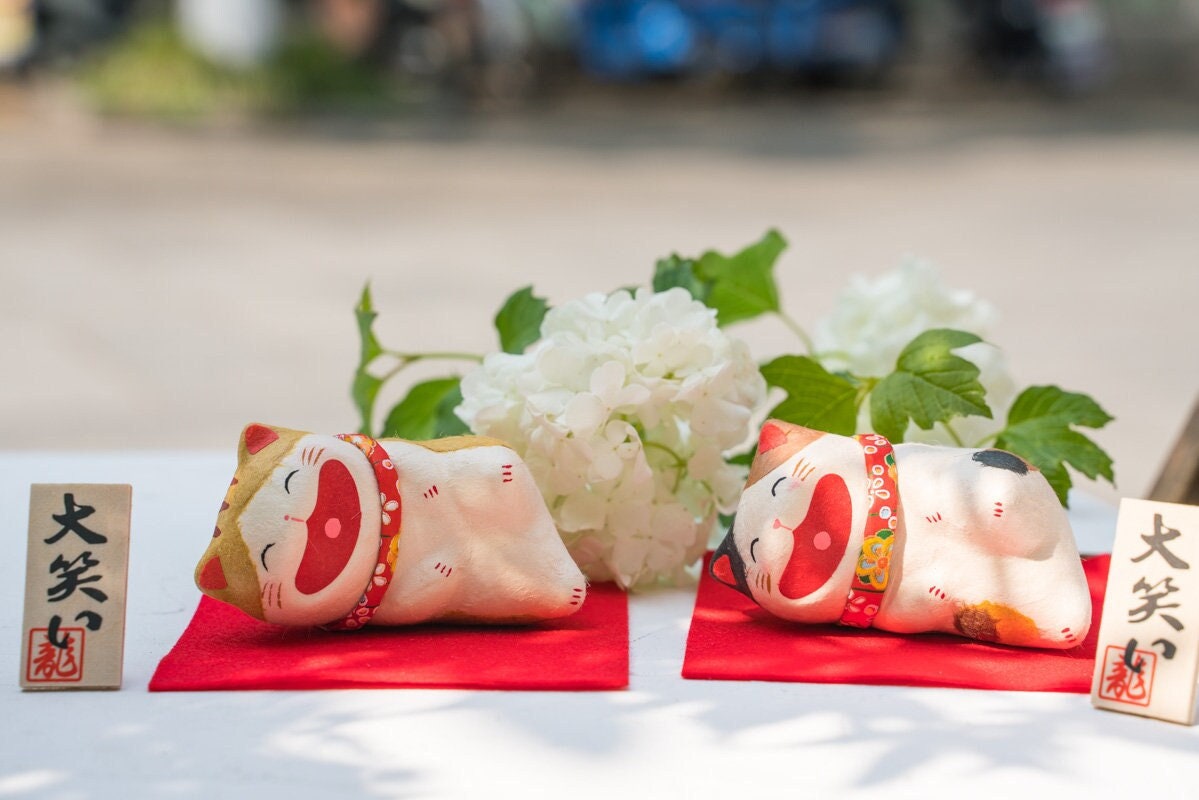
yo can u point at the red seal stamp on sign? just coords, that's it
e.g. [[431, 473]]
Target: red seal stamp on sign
[[55, 657], [1125, 682]]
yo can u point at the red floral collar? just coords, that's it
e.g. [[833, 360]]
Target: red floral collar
[[873, 570], [389, 532]]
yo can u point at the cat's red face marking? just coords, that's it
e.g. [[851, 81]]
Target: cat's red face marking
[[819, 542], [333, 528]]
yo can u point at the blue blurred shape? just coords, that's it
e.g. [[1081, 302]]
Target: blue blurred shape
[[662, 36], [631, 39]]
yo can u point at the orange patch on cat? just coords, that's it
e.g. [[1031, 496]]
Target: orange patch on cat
[[994, 622]]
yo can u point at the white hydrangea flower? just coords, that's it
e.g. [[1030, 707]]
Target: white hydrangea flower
[[623, 411], [874, 319]]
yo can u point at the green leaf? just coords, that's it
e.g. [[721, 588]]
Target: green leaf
[[519, 320], [1040, 429], [929, 385], [448, 423], [675, 270], [426, 412], [364, 390], [1045, 403], [365, 314], [365, 387], [816, 398], [742, 285]]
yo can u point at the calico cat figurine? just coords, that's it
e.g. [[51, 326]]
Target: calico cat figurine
[[905, 539], [346, 531]]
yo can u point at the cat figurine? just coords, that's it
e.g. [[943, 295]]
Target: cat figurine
[[346, 531], [906, 539]]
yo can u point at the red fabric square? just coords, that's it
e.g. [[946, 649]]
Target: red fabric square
[[731, 638], [224, 649]]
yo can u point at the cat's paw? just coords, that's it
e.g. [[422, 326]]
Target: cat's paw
[[431, 492], [506, 472], [998, 510], [1069, 636], [577, 595], [933, 518], [937, 593], [445, 570]]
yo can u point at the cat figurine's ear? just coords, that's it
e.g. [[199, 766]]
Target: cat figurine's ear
[[226, 571], [777, 442]]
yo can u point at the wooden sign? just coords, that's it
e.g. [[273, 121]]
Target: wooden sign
[[1147, 659], [75, 578], [1179, 478]]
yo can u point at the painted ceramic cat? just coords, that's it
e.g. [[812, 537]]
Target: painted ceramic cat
[[972, 542], [451, 529]]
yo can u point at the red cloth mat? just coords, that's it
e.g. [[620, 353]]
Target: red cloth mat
[[225, 649], [731, 638]]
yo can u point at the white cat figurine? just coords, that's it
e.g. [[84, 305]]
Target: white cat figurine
[[346, 531], [919, 538]]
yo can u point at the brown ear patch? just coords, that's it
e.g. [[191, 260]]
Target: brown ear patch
[[449, 444], [226, 571]]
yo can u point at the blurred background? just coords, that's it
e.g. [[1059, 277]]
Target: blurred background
[[193, 193]]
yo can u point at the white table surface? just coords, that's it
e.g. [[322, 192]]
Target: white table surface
[[662, 737]]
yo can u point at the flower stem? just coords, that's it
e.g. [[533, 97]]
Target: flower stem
[[865, 387], [405, 360], [841, 355], [678, 460], [445, 355], [680, 465], [798, 330], [953, 434]]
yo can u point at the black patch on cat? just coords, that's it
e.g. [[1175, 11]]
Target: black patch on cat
[[729, 548], [1001, 459]]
